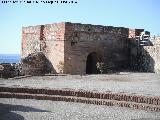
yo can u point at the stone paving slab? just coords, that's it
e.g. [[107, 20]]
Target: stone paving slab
[[131, 83]]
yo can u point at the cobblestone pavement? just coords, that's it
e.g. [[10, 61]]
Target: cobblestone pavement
[[26, 109], [139, 83]]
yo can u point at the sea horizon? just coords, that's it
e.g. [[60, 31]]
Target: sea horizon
[[9, 58]]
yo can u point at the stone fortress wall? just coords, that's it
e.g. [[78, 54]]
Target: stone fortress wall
[[151, 56], [75, 48], [48, 39]]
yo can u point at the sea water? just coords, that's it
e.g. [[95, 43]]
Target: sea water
[[9, 58]]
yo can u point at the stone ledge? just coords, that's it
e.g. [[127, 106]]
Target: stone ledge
[[150, 100], [95, 101], [19, 77]]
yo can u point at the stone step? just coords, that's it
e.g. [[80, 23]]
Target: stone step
[[151, 100], [19, 77], [50, 74], [132, 105]]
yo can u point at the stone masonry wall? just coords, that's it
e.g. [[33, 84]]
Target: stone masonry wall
[[48, 39], [109, 43], [135, 49], [53, 46], [151, 57], [68, 45], [30, 40]]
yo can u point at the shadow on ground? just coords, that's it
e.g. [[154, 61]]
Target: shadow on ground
[[7, 111]]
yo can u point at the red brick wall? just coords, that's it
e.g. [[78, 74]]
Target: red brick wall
[[30, 40], [48, 39], [54, 41]]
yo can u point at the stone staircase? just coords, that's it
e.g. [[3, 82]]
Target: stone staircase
[[140, 102]]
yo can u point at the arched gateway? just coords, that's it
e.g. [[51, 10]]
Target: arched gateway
[[92, 60]]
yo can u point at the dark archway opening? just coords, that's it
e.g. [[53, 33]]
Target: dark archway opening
[[91, 67]]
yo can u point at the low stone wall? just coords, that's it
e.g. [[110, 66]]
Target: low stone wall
[[8, 70], [34, 64]]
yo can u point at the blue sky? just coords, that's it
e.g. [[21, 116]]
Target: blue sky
[[125, 13]]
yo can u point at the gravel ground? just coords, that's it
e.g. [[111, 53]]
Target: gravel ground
[[139, 83], [26, 109]]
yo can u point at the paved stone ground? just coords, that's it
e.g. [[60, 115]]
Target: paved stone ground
[[139, 83], [26, 109]]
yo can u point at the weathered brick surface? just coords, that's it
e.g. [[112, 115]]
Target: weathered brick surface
[[54, 40], [109, 43], [151, 57], [48, 39], [67, 46], [87, 94], [67, 98], [134, 32], [30, 40], [146, 58]]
